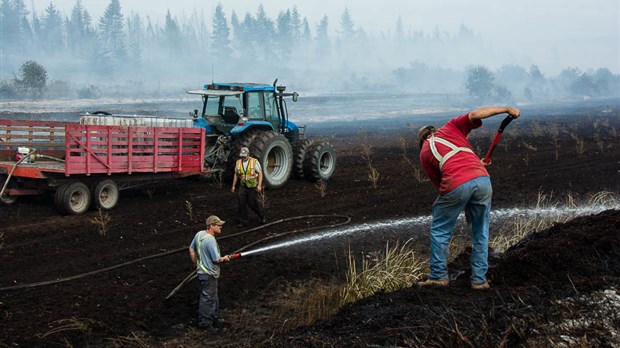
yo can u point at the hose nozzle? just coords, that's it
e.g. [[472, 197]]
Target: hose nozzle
[[234, 256]]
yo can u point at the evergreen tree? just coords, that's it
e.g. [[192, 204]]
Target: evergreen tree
[[284, 35], [220, 37], [296, 26], [201, 40], [306, 35], [235, 26], [265, 34], [172, 35], [51, 34], [81, 36], [150, 32], [111, 31], [135, 37], [323, 45], [28, 37], [13, 32], [347, 31], [247, 38], [240, 40]]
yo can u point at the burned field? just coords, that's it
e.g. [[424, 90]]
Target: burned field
[[66, 283]]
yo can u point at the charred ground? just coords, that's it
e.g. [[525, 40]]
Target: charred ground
[[573, 149]]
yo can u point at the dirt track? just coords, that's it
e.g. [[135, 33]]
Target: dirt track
[[107, 308]]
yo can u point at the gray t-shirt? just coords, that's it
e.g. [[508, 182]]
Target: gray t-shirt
[[208, 251]]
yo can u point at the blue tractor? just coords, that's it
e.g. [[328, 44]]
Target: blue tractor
[[255, 116]]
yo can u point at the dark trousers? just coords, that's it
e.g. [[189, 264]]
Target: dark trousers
[[248, 197], [209, 303]]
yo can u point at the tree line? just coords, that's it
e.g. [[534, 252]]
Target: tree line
[[189, 51]]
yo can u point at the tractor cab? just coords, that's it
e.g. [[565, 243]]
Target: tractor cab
[[235, 108]]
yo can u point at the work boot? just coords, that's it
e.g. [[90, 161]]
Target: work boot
[[434, 282], [205, 325], [482, 286], [263, 220], [219, 323]]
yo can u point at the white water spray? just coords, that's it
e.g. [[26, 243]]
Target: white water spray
[[400, 224]]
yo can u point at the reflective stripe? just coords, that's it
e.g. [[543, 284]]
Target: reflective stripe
[[432, 139]]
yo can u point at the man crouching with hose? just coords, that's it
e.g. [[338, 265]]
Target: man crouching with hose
[[448, 159]]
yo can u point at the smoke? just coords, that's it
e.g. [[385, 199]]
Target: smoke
[[136, 54]]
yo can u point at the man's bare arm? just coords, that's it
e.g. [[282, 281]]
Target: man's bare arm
[[481, 113]]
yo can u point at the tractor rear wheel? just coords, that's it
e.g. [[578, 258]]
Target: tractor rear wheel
[[299, 155], [320, 161], [275, 156]]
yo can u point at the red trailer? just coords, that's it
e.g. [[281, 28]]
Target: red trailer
[[81, 164]]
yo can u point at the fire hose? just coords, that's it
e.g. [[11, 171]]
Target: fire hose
[[22, 159], [237, 252], [27, 157]]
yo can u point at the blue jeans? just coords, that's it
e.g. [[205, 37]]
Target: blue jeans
[[476, 196], [208, 304]]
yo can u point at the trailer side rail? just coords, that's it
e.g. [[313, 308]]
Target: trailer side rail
[[48, 137], [94, 149]]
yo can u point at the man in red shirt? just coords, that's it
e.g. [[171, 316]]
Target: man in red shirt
[[448, 159]]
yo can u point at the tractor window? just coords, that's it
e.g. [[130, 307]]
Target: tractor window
[[218, 105], [271, 110], [255, 106]]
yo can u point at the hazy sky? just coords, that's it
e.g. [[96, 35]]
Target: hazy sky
[[582, 33]]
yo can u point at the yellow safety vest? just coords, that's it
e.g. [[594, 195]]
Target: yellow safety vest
[[249, 177]]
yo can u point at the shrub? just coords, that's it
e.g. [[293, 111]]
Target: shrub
[[89, 92]]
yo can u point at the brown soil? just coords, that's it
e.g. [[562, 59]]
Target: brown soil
[[126, 305]]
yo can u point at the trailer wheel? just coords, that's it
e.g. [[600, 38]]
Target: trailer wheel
[[106, 194], [58, 202], [7, 199], [320, 161], [275, 155], [75, 198], [299, 155]]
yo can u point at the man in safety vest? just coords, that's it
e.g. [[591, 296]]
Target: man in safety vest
[[205, 254], [448, 159], [248, 171]]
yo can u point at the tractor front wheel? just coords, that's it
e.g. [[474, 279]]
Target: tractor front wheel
[[320, 161], [299, 156]]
